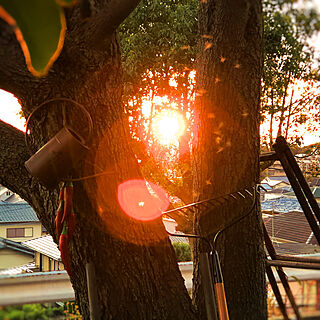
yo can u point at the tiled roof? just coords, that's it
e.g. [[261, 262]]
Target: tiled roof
[[266, 186], [297, 249], [14, 198], [44, 245], [316, 192], [178, 239], [315, 181], [279, 178], [281, 204], [292, 226], [17, 212], [13, 245], [273, 181]]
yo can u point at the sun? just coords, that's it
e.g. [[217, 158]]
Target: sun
[[168, 126]]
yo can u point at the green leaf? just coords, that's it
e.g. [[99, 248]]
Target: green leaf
[[41, 28]]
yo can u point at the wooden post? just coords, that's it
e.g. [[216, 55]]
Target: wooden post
[[92, 292], [297, 259], [282, 275], [299, 193], [293, 264], [276, 291], [281, 142], [208, 289], [219, 286]]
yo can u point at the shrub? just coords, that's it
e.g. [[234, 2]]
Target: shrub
[[30, 312], [182, 250], [34, 312], [15, 315]]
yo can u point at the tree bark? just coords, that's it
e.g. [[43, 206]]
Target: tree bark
[[226, 149], [134, 263]]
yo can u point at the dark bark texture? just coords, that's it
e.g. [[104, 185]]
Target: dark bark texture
[[136, 271], [227, 147]]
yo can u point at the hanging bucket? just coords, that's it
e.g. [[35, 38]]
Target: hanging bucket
[[53, 162]]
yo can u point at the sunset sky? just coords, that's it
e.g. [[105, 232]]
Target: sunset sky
[[9, 109]]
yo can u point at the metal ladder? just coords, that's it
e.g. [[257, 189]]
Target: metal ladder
[[311, 210]]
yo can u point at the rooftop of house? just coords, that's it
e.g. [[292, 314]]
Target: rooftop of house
[[9, 196], [9, 244], [274, 181], [266, 186], [297, 249], [316, 192], [279, 178], [44, 245], [315, 181], [290, 227], [170, 226], [281, 204], [14, 198], [176, 238], [17, 212]]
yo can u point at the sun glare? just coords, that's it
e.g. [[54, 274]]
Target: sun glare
[[168, 126], [141, 200]]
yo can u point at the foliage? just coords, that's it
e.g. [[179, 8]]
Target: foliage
[[30, 312], [158, 42], [182, 250], [288, 62], [37, 21]]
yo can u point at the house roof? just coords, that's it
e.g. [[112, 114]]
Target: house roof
[[179, 239], [316, 192], [17, 212], [44, 245], [291, 226], [14, 198], [281, 204], [13, 245], [266, 186], [315, 181], [297, 249], [279, 178], [273, 182]]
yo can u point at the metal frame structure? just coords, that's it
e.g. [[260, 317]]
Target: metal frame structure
[[311, 210], [210, 268], [215, 297]]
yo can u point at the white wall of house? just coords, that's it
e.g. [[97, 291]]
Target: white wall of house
[[10, 258]]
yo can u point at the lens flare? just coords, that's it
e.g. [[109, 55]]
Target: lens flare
[[142, 200], [168, 126]]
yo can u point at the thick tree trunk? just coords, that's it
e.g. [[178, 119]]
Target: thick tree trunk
[[136, 271], [227, 147]]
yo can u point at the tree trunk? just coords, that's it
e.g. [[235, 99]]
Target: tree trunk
[[134, 263], [227, 148]]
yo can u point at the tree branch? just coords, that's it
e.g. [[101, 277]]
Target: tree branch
[[12, 62], [13, 154], [14, 176], [93, 33], [108, 20]]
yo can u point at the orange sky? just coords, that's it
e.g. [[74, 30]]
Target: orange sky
[[9, 109]]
